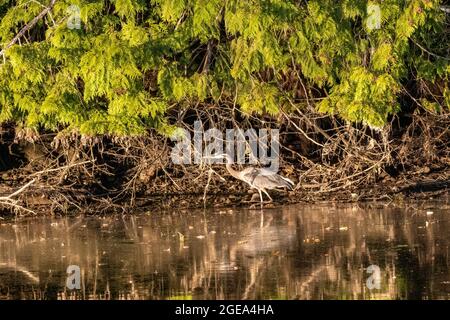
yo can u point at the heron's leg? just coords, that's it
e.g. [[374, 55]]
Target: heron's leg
[[260, 196], [271, 200]]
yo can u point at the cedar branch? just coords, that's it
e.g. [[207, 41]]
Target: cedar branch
[[28, 27]]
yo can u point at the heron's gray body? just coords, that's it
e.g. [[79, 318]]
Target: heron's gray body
[[260, 179], [264, 179]]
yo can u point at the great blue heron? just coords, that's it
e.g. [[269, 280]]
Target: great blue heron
[[257, 178]]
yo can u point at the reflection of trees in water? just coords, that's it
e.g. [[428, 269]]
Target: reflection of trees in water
[[295, 252]]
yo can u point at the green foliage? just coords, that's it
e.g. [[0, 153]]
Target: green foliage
[[132, 59], [260, 97]]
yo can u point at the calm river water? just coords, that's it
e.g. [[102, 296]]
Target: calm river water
[[291, 252]]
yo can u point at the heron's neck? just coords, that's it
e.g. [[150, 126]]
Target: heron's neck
[[229, 162]]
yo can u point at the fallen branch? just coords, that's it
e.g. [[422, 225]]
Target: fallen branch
[[9, 201], [61, 168], [17, 192]]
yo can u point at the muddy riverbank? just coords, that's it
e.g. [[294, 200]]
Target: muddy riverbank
[[43, 197], [56, 173]]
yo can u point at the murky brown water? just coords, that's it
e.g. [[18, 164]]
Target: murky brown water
[[293, 252]]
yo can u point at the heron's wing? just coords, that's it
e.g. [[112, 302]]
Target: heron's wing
[[265, 178], [269, 179], [249, 174]]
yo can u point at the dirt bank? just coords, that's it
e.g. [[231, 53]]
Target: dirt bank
[[329, 160], [40, 198]]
